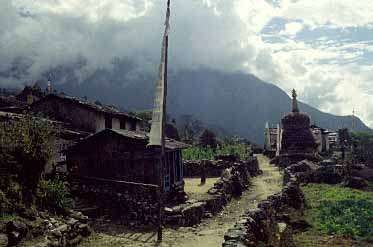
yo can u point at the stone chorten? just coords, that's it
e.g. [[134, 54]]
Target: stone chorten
[[297, 137]]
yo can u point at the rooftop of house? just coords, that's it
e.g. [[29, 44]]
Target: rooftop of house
[[99, 108], [136, 135], [65, 129]]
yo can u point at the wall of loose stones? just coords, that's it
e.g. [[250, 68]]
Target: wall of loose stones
[[214, 168], [44, 230], [271, 223], [140, 203], [234, 180], [133, 203]]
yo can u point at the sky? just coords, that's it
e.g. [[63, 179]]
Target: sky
[[323, 48]]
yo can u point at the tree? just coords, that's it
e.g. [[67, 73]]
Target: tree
[[208, 139], [97, 102], [25, 149], [344, 140], [363, 148], [189, 128]]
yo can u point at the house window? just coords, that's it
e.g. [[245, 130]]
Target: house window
[[108, 122], [123, 124], [133, 125], [178, 166], [167, 164]]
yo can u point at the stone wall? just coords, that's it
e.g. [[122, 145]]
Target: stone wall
[[132, 202], [271, 223], [231, 184], [214, 168], [327, 172], [136, 203], [44, 230]]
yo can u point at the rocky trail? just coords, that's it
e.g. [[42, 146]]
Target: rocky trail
[[210, 232]]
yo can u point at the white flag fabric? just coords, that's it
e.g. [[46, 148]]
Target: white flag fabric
[[156, 137]]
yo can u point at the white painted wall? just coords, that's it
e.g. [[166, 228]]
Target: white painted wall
[[100, 123], [115, 123]]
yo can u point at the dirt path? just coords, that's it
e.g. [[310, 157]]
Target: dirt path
[[195, 190], [210, 232]]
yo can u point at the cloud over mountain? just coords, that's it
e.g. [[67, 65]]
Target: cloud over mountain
[[322, 48]]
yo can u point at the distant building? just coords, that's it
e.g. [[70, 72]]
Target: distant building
[[321, 137], [272, 142], [123, 155], [333, 139], [84, 115]]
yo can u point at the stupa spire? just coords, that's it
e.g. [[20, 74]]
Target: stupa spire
[[295, 102]]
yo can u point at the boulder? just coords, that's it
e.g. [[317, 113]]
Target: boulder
[[193, 213], [3, 240], [354, 182], [84, 230], [283, 236], [228, 157], [16, 231], [328, 162], [327, 174]]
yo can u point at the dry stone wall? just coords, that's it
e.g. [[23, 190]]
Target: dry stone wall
[[61, 231], [133, 203], [139, 204], [271, 223], [234, 180]]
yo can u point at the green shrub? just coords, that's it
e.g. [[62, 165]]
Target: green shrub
[[25, 149], [4, 203], [197, 153], [53, 196], [347, 217], [338, 210]]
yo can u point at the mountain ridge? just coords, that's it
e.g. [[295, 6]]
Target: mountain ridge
[[240, 103]]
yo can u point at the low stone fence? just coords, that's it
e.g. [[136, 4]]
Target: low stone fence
[[138, 201], [64, 231], [232, 182], [327, 172], [271, 223], [214, 168], [135, 202]]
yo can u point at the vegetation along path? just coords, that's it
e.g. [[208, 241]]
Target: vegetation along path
[[210, 232]]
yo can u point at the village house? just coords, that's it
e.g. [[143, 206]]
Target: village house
[[321, 137], [272, 141], [85, 116], [65, 137], [123, 155]]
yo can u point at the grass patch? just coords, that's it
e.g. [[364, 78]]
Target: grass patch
[[339, 216], [197, 153]]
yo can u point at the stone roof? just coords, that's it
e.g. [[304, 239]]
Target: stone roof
[[136, 135], [90, 105], [64, 128]]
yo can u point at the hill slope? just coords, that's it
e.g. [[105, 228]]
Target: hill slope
[[239, 103]]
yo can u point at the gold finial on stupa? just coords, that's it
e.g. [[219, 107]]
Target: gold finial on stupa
[[295, 102]]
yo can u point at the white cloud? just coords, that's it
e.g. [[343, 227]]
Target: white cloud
[[340, 13], [291, 29], [222, 34]]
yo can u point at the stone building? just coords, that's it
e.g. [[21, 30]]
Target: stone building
[[122, 155], [84, 115], [294, 139], [297, 136], [272, 141], [321, 137]]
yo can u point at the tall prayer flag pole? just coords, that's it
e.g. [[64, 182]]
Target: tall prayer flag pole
[[157, 135]]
